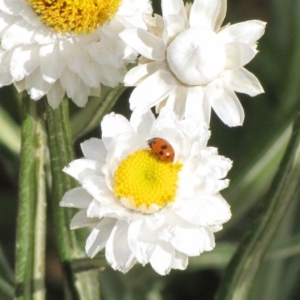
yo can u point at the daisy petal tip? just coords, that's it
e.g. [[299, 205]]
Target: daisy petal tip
[[258, 92], [65, 169], [233, 122], [62, 204], [236, 122]]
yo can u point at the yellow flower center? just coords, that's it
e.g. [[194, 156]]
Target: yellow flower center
[[75, 16], [146, 183]]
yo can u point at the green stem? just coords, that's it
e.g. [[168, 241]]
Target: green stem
[[30, 249], [89, 118], [245, 264], [41, 214], [69, 244]]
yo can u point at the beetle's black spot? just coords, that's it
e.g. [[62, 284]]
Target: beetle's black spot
[[161, 153], [164, 147]]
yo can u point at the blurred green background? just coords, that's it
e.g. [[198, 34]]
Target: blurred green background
[[256, 149]]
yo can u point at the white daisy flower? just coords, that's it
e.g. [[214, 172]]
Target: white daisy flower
[[190, 63], [149, 206], [72, 47]]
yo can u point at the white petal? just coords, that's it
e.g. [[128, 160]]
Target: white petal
[[107, 51], [190, 239], [136, 8], [79, 168], [91, 74], [99, 236], [12, 7], [95, 209], [238, 55], [206, 210], [51, 71], [5, 21], [20, 85], [216, 166], [196, 105], [55, 95], [177, 100], [43, 35], [70, 82], [180, 261], [162, 258], [225, 104], [166, 123], [153, 89], [243, 81], [74, 87], [108, 208], [80, 62], [94, 149], [173, 7], [17, 34], [97, 187], [80, 220], [81, 96], [36, 86], [155, 24], [109, 75], [30, 16], [24, 60], [138, 242], [5, 58], [5, 79], [137, 74], [208, 14], [115, 124], [145, 43], [174, 24], [142, 120], [77, 197], [117, 251], [246, 32]]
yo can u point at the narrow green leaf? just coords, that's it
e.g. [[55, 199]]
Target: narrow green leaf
[[245, 264], [217, 258], [251, 183], [6, 290], [10, 135], [7, 278], [290, 84], [6, 271], [30, 245], [285, 249], [90, 117], [69, 243]]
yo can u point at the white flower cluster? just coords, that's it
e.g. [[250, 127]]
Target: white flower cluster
[[150, 188], [190, 63], [44, 61]]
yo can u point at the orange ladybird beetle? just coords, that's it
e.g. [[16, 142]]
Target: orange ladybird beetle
[[162, 149]]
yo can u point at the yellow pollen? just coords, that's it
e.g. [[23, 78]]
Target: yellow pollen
[[75, 16], [146, 183]]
